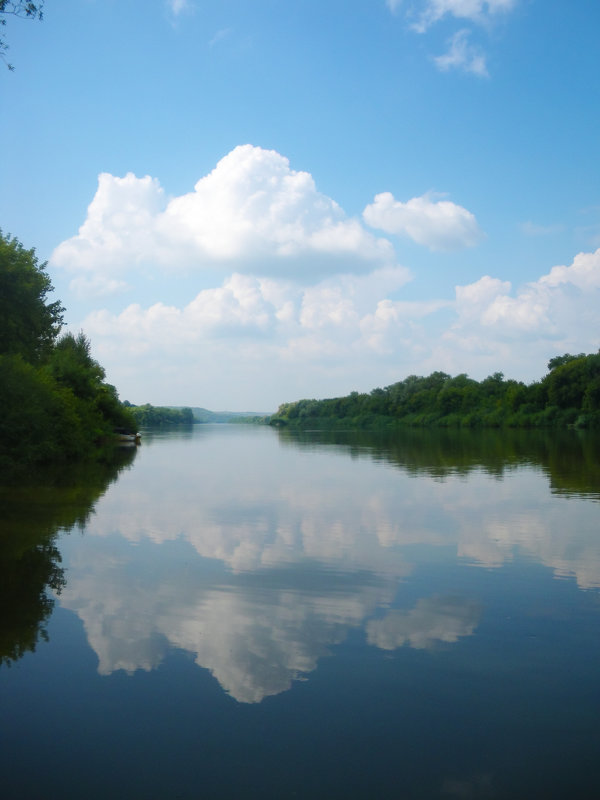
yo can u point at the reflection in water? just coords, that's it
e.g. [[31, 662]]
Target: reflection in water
[[383, 618], [255, 641], [258, 558], [433, 620], [25, 606], [31, 515], [569, 458]]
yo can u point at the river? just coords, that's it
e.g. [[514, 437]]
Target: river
[[232, 611]]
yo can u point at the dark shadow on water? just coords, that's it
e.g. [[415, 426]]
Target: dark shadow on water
[[56, 499], [570, 458]]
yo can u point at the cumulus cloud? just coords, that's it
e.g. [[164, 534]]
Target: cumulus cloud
[[496, 326], [252, 213], [488, 303], [314, 340], [584, 273], [280, 316], [556, 304], [462, 55], [117, 234], [436, 224]]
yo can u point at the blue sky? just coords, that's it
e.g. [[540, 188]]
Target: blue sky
[[247, 203]]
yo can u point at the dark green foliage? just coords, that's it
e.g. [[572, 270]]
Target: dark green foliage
[[574, 382], [148, 416], [558, 361], [569, 458], [54, 401], [569, 395], [26, 605], [39, 420], [29, 324], [55, 499], [72, 366], [252, 419]]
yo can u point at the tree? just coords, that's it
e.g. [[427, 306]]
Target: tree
[[559, 361], [29, 324], [72, 365], [17, 8]]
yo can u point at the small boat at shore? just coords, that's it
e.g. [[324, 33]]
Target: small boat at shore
[[125, 437]]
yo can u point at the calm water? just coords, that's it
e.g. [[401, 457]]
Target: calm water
[[233, 612]]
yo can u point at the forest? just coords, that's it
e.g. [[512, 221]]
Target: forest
[[147, 416], [567, 396], [56, 404]]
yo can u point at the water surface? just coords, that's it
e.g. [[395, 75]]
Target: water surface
[[235, 611]]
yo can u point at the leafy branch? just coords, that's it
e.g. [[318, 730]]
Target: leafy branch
[[21, 8]]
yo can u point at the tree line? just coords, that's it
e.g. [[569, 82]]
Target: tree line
[[56, 404], [567, 396], [148, 416]]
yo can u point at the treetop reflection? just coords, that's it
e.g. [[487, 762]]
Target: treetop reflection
[[33, 511]]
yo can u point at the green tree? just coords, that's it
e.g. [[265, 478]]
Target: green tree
[[72, 366], [559, 361], [39, 420], [29, 324], [17, 8]]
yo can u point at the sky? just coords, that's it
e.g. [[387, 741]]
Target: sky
[[247, 203]]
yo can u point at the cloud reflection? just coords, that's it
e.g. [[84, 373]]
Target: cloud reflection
[[260, 571], [431, 621], [253, 638]]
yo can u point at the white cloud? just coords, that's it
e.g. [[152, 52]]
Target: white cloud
[[463, 56], [488, 303], [479, 11], [252, 213], [556, 304], [436, 224], [311, 299], [584, 273], [177, 6], [249, 306], [118, 230], [498, 328]]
